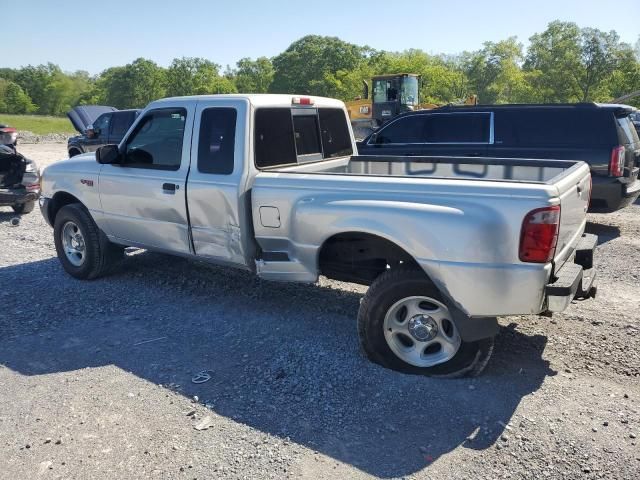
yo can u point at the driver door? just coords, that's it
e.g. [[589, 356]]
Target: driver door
[[143, 198]]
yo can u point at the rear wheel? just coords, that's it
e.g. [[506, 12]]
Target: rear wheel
[[404, 324], [80, 248], [23, 208]]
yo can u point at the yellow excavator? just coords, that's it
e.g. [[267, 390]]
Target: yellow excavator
[[391, 95]]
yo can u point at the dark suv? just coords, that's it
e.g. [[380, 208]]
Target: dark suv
[[98, 126], [601, 135]]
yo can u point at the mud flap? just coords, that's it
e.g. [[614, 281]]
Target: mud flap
[[476, 328]]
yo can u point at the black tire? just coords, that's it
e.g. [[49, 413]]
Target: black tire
[[23, 208], [392, 286], [73, 152], [100, 254]]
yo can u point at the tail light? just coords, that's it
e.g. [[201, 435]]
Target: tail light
[[539, 235], [616, 163]]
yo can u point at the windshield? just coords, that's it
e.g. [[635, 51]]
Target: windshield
[[402, 89], [409, 91], [385, 90]]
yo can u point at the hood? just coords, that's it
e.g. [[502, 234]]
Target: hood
[[84, 115]]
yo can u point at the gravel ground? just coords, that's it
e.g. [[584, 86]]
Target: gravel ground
[[96, 377], [27, 137]]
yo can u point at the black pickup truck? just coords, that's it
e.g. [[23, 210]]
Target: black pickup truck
[[98, 125], [603, 135]]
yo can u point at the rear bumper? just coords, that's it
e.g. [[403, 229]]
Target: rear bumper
[[611, 195], [17, 196], [575, 279]]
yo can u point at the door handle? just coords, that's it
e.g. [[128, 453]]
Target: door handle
[[170, 187], [473, 154]]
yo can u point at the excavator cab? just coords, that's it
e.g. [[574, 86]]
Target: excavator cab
[[394, 94]]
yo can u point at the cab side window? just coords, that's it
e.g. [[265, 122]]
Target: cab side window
[[216, 143], [101, 125], [409, 129], [437, 128], [156, 142]]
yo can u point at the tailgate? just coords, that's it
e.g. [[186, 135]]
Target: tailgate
[[574, 192]]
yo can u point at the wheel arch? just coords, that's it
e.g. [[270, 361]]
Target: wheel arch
[[74, 150], [59, 200], [359, 256]]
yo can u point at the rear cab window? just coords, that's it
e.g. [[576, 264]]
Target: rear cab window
[[289, 136]]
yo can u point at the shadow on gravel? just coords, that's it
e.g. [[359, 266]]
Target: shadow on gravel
[[605, 233], [283, 358], [7, 216]]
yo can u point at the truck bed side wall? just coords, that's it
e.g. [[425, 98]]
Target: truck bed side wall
[[464, 234]]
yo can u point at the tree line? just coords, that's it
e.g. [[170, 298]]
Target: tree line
[[565, 63]]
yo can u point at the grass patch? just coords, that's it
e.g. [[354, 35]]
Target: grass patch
[[38, 124]]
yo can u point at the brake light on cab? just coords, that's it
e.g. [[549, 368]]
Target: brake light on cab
[[302, 101], [616, 163], [539, 235]]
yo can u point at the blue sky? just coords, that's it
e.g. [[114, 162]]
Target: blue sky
[[95, 34]]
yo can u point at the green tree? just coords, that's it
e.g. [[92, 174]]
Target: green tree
[[625, 79], [598, 60], [131, 86], [555, 53], [38, 81], [13, 99], [195, 76], [574, 64], [253, 76], [302, 67], [494, 72]]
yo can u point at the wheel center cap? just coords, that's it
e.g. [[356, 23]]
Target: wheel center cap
[[423, 328]]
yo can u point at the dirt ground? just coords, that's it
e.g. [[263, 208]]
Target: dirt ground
[[96, 377]]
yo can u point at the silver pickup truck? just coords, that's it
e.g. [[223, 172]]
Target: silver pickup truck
[[273, 184]]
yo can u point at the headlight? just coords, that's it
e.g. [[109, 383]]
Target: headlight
[[31, 168], [13, 136]]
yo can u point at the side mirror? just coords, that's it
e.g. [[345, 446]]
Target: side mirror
[[373, 139], [108, 155], [90, 132]]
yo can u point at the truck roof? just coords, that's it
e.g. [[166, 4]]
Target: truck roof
[[618, 107], [255, 99]]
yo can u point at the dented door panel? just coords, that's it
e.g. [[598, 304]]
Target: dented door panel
[[216, 213]]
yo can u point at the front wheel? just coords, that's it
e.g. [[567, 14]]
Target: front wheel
[[80, 249], [404, 324]]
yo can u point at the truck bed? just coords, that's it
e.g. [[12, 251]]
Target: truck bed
[[491, 169], [460, 218]]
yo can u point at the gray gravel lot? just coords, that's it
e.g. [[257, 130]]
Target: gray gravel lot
[[95, 377]]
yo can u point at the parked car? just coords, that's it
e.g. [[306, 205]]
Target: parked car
[[19, 181], [602, 135], [98, 126], [8, 137], [273, 184]]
